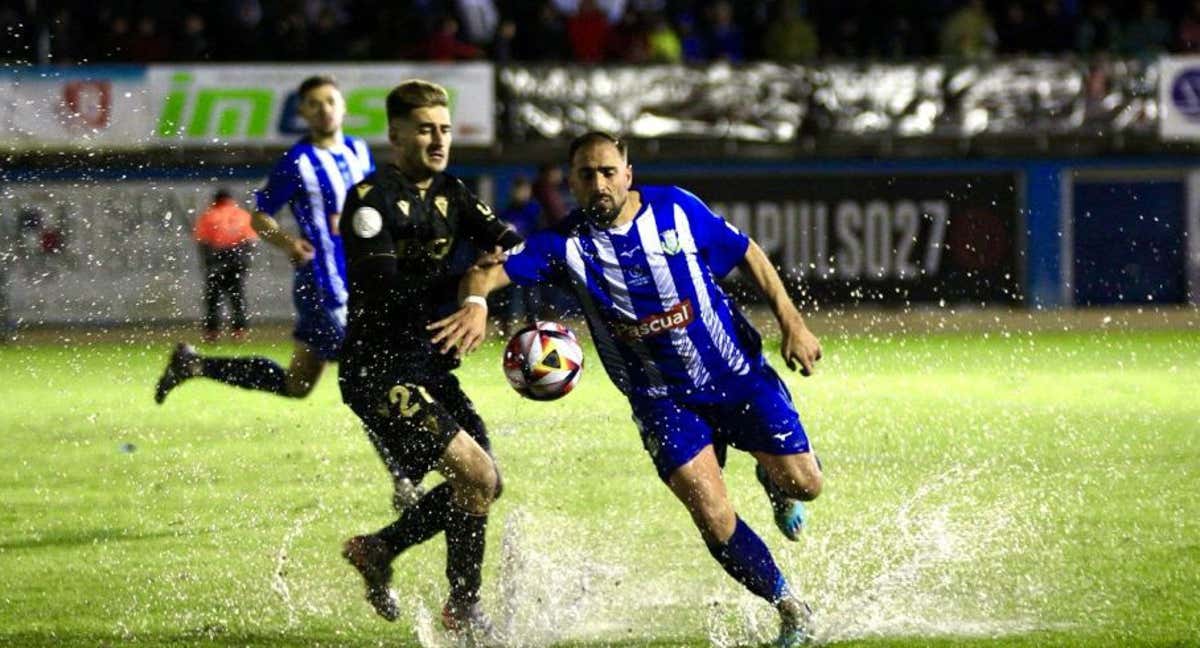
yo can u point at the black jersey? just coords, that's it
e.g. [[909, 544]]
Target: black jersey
[[400, 243]]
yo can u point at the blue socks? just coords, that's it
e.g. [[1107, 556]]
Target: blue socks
[[747, 559]]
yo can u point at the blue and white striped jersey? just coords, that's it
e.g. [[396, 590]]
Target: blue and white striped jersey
[[314, 182], [662, 325]]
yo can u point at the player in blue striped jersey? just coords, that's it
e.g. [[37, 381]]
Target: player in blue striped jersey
[[644, 263], [312, 179]]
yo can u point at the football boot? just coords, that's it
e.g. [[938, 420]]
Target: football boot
[[470, 625], [790, 515], [795, 627], [372, 558], [179, 368]]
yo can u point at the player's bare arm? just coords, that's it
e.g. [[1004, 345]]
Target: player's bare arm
[[465, 329], [800, 346], [298, 250]]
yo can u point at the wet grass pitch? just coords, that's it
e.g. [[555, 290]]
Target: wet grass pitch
[[1004, 487]]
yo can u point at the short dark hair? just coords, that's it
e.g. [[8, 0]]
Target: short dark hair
[[591, 138], [413, 94], [314, 82], [222, 194]]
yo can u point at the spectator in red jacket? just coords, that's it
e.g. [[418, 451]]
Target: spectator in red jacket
[[444, 45], [588, 33]]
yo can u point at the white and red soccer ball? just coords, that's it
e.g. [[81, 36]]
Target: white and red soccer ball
[[543, 361]]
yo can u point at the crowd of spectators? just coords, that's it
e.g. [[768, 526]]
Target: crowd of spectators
[[588, 31]]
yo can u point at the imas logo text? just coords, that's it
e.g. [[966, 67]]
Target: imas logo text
[[193, 111]]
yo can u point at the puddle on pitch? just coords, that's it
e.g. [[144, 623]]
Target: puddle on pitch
[[548, 591], [950, 560], [946, 562]]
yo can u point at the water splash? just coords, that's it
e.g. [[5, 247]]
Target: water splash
[[279, 583], [548, 591], [938, 564], [428, 633]]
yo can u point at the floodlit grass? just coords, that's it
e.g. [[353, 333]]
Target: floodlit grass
[[1018, 489]]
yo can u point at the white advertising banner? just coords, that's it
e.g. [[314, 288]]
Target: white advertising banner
[[1179, 97], [133, 107], [75, 108], [108, 251]]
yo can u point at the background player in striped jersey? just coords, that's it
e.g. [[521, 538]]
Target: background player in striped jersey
[[643, 262], [312, 178]]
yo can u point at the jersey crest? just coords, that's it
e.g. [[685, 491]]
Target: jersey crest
[[670, 242]]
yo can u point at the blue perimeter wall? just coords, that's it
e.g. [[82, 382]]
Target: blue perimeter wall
[[1040, 194]]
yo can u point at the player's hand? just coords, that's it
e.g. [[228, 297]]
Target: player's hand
[[800, 347], [491, 259], [463, 330], [301, 252]]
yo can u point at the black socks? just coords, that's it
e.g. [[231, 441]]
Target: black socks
[[464, 554], [256, 372], [419, 522]]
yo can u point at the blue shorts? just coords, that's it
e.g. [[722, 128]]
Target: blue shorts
[[755, 414], [318, 326]]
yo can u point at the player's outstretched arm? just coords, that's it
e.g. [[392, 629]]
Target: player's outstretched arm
[[465, 329], [298, 250], [800, 346]]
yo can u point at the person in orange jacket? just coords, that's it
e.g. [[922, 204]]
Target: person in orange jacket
[[226, 240]]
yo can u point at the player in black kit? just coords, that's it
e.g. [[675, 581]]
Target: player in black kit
[[402, 226]]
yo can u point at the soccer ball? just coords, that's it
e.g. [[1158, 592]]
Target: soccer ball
[[543, 361]]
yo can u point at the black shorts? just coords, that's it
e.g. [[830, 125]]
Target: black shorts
[[411, 422]]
